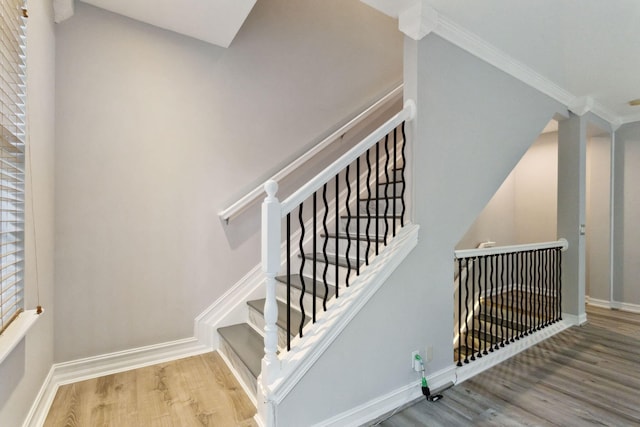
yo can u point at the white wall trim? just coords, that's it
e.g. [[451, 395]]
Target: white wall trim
[[625, 306], [425, 20], [613, 305], [385, 404], [480, 365], [307, 350], [62, 10], [106, 364], [418, 20], [16, 331], [230, 306]]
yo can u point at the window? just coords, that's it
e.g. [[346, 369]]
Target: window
[[12, 158]]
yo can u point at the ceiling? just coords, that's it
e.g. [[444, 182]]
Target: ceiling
[[584, 53], [212, 21]]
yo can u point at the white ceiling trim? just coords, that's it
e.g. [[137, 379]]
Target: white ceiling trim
[[446, 28], [62, 10]]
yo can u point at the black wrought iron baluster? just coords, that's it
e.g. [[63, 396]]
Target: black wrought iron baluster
[[302, 263], [519, 294], [512, 312], [369, 194], [485, 301], [289, 281], [554, 268], [559, 284], [466, 310], [480, 319], [503, 310], [348, 227], [358, 216], [531, 255], [545, 269], [395, 168], [386, 189], [377, 217], [493, 331], [337, 226], [404, 184], [473, 310], [459, 312], [324, 247], [539, 295], [315, 257]]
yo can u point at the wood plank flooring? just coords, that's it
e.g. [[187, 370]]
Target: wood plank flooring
[[195, 391], [584, 376]]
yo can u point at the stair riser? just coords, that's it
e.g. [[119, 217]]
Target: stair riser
[[381, 206], [281, 294], [343, 244], [256, 319], [371, 230], [388, 188], [331, 272], [250, 382]]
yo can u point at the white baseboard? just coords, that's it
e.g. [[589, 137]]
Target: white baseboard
[[480, 365], [106, 364], [387, 403], [616, 305]]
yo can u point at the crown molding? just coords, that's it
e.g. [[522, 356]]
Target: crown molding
[[418, 20], [62, 10]]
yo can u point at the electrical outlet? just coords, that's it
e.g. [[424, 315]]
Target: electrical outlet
[[415, 365]]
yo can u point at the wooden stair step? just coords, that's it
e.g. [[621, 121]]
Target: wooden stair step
[[333, 259], [246, 343], [296, 316], [353, 236], [296, 282]]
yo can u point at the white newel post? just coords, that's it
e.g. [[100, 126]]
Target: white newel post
[[271, 223]]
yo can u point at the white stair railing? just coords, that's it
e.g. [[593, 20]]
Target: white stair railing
[[273, 212]]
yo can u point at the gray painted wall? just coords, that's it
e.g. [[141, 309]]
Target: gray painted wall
[[473, 129], [23, 372], [598, 218], [627, 201], [157, 132], [523, 210]]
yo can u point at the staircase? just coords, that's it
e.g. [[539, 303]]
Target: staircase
[[328, 257], [504, 294]]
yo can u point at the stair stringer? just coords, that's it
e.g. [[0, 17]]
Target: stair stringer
[[307, 350]]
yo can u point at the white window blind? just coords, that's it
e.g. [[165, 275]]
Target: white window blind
[[12, 158]]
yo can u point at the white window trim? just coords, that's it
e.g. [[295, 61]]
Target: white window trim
[[12, 336]]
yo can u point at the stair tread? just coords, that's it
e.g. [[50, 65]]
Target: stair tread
[[296, 282], [333, 259], [390, 196], [246, 343], [353, 236], [296, 316], [373, 217]]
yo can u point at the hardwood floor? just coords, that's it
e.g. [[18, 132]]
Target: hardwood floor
[[195, 391], [584, 376]]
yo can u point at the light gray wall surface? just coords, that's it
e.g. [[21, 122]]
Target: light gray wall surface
[[523, 210], [157, 132], [598, 218], [627, 202], [24, 370], [473, 129], [572, 149]]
